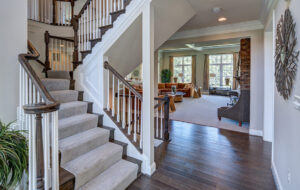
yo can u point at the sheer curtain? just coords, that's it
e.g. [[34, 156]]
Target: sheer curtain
[[206, 73]]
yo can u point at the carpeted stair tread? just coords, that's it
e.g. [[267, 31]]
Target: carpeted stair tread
[[64, 96], [117, 177], [81, 143], [59, 74], [71, 109], [56, 84], [76, 124], [93, 163]]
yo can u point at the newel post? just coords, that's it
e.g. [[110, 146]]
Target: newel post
[[72, 5], [54, 11], [39, 152], [75, 53], [166, 118], [47, 62]]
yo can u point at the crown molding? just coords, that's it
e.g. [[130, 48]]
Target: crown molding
[[222, 29]]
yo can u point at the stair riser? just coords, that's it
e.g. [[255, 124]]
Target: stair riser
[[68, 96], [78, 127], [54, 85], [72, 111]]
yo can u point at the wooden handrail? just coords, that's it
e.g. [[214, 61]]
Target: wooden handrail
[[83, 8], [51, 105], [61, 38], [129, 86]]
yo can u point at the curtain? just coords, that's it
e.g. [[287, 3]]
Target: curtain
[[206, 72], [235, 69], [194, 69], [171, 66]]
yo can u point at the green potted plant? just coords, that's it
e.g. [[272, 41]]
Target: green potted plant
[[165, 76], [13, 156]]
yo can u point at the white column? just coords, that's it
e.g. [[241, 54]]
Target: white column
[[148, 90]]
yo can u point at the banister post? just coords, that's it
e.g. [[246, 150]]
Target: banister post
[[166, 118], [47, 62], [54, 11], [72, 9], [39, 152], [75, 53]]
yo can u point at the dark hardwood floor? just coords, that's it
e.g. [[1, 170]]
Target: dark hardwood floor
[[206, 158]]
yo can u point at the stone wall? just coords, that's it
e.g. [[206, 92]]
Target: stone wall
[[245, 68]]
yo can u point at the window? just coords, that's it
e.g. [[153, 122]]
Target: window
[[221, 70], [183, 69]]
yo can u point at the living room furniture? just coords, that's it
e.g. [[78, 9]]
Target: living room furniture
[[240, 111], [187, 88], [178, 96], [219, 91]]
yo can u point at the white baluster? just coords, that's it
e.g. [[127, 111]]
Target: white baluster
[[60, 55], [46, 145], [55, 166], [107, 12], [124, 109], [108, 90], [141, 129], [113, 95], [118, 115], [157, 117], [97, 18], [129, 112], [134, 134], [161, 121]]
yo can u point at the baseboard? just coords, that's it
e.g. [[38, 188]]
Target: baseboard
[[276, 176], [255, 132]]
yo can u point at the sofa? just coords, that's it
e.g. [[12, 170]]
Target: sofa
[[187, 88]]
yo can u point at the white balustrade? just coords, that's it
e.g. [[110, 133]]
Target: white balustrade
[[42, 11], [97, 14], [124, 104], [61, 54], [29, 94]]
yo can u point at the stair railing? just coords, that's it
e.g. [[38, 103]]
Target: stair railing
[[59, 53], [124, 104], [38, 114], [161, 118], [92, 22], [56, 12]]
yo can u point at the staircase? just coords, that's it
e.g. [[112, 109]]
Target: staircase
[[87, 148]]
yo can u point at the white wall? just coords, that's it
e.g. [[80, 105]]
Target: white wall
[[13, 41], [286, 158]]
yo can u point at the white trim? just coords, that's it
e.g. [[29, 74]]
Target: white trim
[[255, 132], [276, 176], [223, 29]]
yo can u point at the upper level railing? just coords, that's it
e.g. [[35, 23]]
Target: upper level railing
[[57, 12], [38, 114], [93, 20], [59, 53], [125, 105]]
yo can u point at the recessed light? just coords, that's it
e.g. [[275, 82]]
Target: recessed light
[[222, 19], [216, 10]]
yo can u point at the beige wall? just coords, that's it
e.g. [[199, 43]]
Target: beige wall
[[200, 59], [13, 41]]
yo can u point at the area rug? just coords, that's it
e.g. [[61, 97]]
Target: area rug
[[203, 111]]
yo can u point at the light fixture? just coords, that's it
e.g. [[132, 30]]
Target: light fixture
[[216, 10], [222, 19]]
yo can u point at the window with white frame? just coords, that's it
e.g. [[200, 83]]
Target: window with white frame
[[221, 70], [182, 68]]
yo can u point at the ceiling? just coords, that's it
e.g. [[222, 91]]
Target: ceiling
[[203, 46], [234, 10]]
